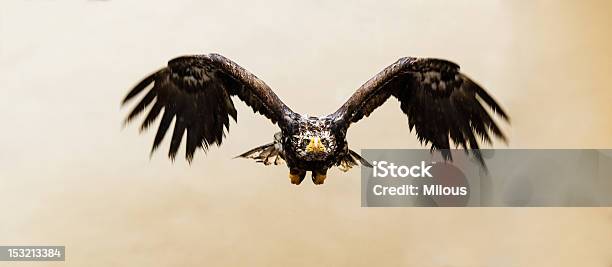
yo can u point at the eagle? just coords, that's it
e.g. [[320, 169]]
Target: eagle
[[442, 105]]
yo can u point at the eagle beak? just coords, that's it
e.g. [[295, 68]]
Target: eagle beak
[[315, 145]]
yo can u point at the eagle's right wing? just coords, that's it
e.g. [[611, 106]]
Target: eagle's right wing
[[196, 90]]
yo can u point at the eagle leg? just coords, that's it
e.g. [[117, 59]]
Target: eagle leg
[[296, 176], [318, 176]]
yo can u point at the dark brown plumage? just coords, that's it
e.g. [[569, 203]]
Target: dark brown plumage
[[442, 106], [441, 103], [196, 91]]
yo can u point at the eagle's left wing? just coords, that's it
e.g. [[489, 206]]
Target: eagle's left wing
[[441, 103], [197, 91]]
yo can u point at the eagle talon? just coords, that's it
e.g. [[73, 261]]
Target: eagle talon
[[296, 176], [318, 177]]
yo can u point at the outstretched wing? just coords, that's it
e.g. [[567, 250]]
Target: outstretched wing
[[441, 103], [197, 90]]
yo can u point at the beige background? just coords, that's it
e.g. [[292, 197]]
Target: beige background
[[70, 175]]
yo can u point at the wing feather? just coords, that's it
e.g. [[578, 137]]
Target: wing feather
[[163, 128], [151, 116]]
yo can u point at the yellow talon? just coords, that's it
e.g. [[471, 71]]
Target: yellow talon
[[296, 177], [319, 178]]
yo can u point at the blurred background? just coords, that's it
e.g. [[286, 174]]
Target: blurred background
[[71, 175]]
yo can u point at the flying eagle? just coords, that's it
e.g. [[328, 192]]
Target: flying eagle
[[441, 104]]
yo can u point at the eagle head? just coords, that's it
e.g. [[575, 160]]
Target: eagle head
[[313, 140]]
